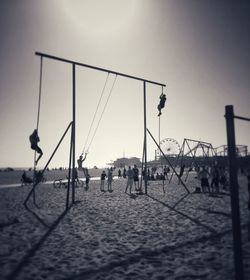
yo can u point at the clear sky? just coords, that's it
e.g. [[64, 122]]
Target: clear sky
[[200, 49]]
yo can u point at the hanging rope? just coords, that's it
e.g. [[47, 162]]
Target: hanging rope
[[111, 89], [39, 107], [40, 93], [90, 128]]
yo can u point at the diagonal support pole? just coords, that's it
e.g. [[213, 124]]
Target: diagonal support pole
[[44, 169], [183, 184]]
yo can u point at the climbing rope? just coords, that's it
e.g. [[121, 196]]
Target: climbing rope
[[40, 93], [110, 92], [100, 99], [39, 106]]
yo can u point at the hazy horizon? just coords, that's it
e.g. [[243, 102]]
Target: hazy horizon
[[199, 49]]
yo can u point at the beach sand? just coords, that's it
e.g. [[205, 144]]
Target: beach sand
[[116, 236]]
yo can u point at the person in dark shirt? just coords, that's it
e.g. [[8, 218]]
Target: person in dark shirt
[[103, 177], [162, 103], [34, 139], [136, 177]]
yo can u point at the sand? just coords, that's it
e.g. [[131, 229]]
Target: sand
[[115, 236]]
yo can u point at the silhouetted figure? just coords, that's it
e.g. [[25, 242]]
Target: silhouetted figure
[[103, 177], [223, 177], [182, 169], [25, 179], [162, 103], [34, 139], [87, 176], [130, 176], [136, 177], [148, 174], [124, 173], [110, 179], [203, 175], [80, 160], [166, 170], [119, 173], [215, 178]]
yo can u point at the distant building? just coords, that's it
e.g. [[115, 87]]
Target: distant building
[[122, 162]]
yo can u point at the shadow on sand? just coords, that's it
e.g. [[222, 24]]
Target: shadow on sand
[[33, 250]]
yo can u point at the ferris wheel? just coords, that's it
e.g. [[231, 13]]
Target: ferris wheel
[[170, 147]]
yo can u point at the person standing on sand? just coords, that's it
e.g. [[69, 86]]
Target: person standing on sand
[[136, 177], [130, 180], [103, 177], [182, 169], [87, 176], [203, 175], [223, 177], [34, 139], [110, 179], [124, 173], [215, 178], [119, 173]]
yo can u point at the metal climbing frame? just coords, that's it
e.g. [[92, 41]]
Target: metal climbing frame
[[72, 149], [189, 150], [233, 171]]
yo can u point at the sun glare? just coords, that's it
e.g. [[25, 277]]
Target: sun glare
[[100, 17]]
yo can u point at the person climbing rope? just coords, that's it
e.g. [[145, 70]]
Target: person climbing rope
[[80, 161], [162, 103], [34, 139]]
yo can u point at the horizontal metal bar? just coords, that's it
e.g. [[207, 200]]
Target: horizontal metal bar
[[242, 118], [97, 68]]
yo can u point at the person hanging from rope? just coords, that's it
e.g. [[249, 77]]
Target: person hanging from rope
[[80, 161], [162, 103], [34, 139]]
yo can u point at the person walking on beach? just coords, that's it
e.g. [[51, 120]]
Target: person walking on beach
[[203, 175], [34, 139], [110, 179], [103, 177], [136, 177], [130, 179]]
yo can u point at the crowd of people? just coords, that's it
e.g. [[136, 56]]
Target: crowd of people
[[213, 179]]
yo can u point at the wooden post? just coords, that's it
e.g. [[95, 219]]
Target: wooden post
[[233, 170]]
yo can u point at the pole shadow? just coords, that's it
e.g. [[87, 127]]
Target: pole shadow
[[210, 229], [25, 261]]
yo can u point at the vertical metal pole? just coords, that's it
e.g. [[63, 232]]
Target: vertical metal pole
[[69, 171], [145, 137], [73, 129], [233, 169], [142, 167]]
